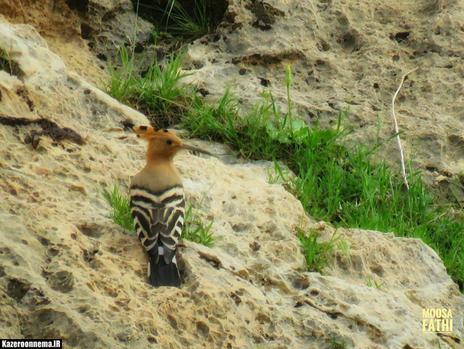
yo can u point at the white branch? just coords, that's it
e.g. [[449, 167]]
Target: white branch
[[398, 139]]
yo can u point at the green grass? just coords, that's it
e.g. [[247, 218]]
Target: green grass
[[336, 342], [8, 65], [156, 92], [4, 60], [187, 20], [193, 229], [182, 22], [317, 254], [335, 181], [120, 208], [373, 283]]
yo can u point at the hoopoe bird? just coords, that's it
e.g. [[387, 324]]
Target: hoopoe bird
[[157, 204]]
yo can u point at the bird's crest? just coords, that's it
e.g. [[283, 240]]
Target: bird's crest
[[148, 132], [164, 142]]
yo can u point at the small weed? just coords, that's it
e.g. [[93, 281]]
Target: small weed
[[373, 283], [317, 254], [193, 229], [336, 343], [120, 208], [122, 82], [4, 61], [160, 85], [214, 122], [155, 91], [265, 134], [9, 65], [181, 22], [185, 19]]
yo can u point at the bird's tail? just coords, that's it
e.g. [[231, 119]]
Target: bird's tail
[[162, 274]]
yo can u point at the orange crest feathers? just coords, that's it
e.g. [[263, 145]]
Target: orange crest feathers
[[148, 132], [163, 142]]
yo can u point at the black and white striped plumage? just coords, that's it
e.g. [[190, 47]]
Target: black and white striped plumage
[[157, 204], [158, 219]]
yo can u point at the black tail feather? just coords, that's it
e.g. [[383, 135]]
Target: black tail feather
[[162, 274]]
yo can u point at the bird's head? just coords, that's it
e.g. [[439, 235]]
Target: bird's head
[[163, 144]]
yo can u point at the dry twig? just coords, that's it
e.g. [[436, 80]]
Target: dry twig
[[398, 139]]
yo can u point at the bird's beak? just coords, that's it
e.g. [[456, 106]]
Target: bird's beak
[[199, 150]]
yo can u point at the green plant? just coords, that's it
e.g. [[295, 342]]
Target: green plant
[[193, 23], [373, 283], [120, 207], [335, 342], [4, 60], [288, 82], [122, 81], [9, 65], [317, 254], [186, 19], [156, 91], [160, 85], [214, 122], [194, 229], [264, 134]]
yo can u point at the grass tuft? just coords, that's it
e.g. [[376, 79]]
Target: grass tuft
[[195, 230], [189, 24], [4, 60], [186, 20], [120, 208], [373, 283], [157, 92], [336, 342], [317, 254]]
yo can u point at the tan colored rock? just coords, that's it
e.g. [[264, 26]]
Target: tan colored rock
[[61, 27], [67, 271], [442, 179], [86, 34]]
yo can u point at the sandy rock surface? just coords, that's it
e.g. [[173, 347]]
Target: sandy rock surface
[[60, 26], [67, 271], [350, 53], [86, 34]]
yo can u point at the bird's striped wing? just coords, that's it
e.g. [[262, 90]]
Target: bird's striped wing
[[158, 219]]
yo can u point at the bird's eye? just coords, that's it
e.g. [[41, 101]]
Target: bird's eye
[[169, 142]]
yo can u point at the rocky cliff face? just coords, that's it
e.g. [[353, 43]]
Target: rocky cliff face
[[67, 271], [350, 53]]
